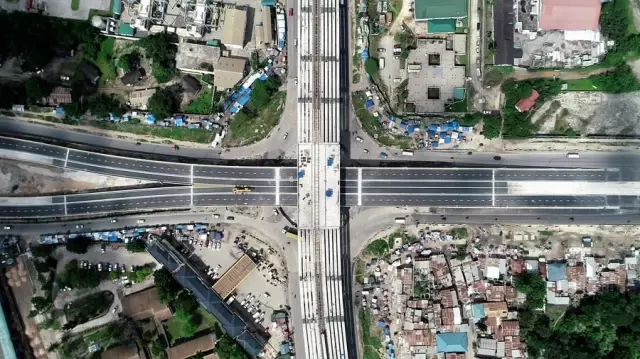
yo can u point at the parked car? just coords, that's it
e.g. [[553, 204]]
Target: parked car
[[290, 11], [383, 155], [286, 134], [78, 226], [381, 49], [366, 150], [140, 221], [359, 139], [7, 227], [114, 220]]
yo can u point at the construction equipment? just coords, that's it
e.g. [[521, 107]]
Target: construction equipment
[[242, 189]]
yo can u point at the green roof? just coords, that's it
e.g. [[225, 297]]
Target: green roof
[[440, 26], [440, 9], [126, 29]]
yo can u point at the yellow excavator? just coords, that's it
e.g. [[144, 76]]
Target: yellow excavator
[[242, 189]]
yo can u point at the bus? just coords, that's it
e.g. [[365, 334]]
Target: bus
[[290, 233], [573, 155], [242, 189]]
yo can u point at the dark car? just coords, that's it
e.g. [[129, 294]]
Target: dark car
[[497, 158], [478, 26]]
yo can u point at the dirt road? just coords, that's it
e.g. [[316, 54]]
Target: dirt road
[[523, 74]]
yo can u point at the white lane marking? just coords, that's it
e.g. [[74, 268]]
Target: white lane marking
[[359, 186], [493, 187], [192, 193], [192, 180], [66, 158], [277, 186], [65, 201]]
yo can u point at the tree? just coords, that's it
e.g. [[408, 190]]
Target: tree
[[103, 105], [44, 266], [227, 348], [534, 287], [142, 273], [136, 246], [42, 251], [164, 102], [163, 72], [129, 61], [75, 277], [41, 304], [78, 244], [159, 47], [371, 66], [37, 89], [113, 275], [168, 287], [263, 91], [185, 302], [188, 329]]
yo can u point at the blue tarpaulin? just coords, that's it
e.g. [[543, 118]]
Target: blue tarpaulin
[[454, 125], [178, 122], [149, 119], [301, 174], [59, 110], [433, 127], [217, 236], [381, 324], [369, 104], [434, 144], [330, 161], [329, 192], [404, 124], [411, 129], [365, 55]]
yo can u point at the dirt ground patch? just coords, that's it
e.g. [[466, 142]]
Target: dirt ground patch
[[24, 179], [591, 113]]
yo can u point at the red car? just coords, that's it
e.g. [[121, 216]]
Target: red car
[[290, 11]]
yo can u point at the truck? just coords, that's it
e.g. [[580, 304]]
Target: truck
[[290, 233], [401, 220], [381, 63], [242, 189]]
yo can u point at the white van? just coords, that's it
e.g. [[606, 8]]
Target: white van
[[573, 155], [401, 220], [407, 153]]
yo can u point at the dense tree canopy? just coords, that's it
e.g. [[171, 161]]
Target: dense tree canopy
[[168, 287], [227, 348], [161, 50], [263, 91], [518, 124], [76, 277], [534, 287], [79, 244], [103, 105], [136, 245], [36, 89], [164, 102], [371, 66]]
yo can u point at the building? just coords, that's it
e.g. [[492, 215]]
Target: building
[[196, 58], [234, 276], [144, 304], [138, 99], [440, 15], [267, 25], [188, 349], [133, 77], [452, 342], [246, 336], [527, 103], [90, 72], [572, 15], [191, 84], [234, 28], [58, 96], [122, 352], [229, 72]]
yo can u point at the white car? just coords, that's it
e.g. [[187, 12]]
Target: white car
[[218, 246], [78, 226], [275, 212], [7, 227], [286, 134], [359, 139], [216, 216], [99, 267], [295, 81], [366, 150], [114, 220], [140, 221]]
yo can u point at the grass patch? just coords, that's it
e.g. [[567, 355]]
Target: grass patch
[[105, 60], [619, 80], [395, 6], [555, 312], [75, 5], [173, 133], [374, 128], [245, 129], [356, 78], [458, 106], [547, 233], [378, 248], [460, 233], [462, 60], [89, 307], [371, 338], [202, 105], [173, 326]]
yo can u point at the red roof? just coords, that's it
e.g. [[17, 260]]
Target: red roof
[[570, 15], [527, 103]]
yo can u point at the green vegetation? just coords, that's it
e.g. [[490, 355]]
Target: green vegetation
[[458, 106], [371, 339], [534, 287], [104, 60], [104, 104], [111, 335], [491, 124], [601, 327], [78, 244], [517, 124], [249, 126], [621, 79], [139, 274], [46, 265], [128, 61], [88, 307], [75, 277], [378, 248], [75, 5], [37, 88], [405, 40], [615, 22], [165, 102], [160, 49], [371, 66], [42, 251], [460, 233], [41, 305], [395, 7], [421, 286], [179, 328], [136, 246], [263, 92], [373, 126], [227, 348], [203, 105], [547, 233]]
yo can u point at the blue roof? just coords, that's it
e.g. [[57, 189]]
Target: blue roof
[[452, 342], [478, 310], [556, 271], [8, 350]]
